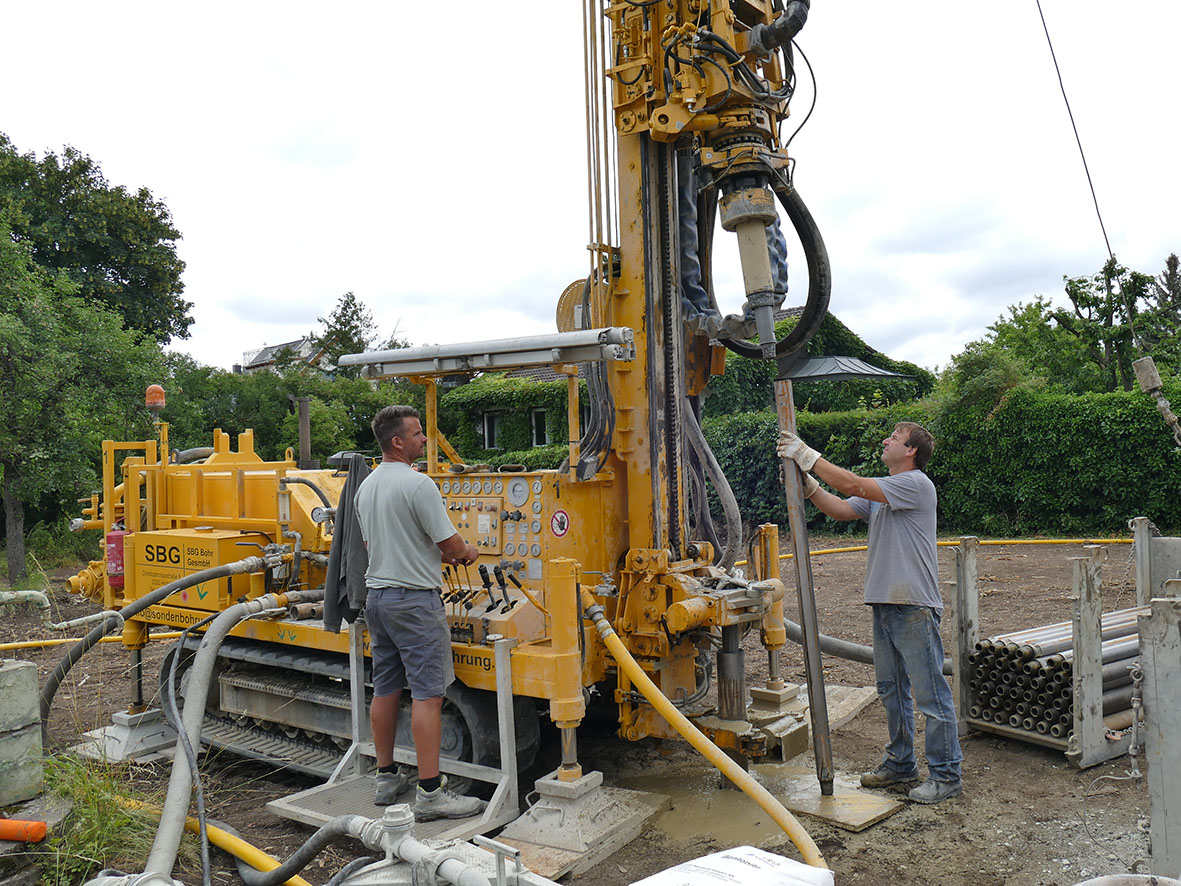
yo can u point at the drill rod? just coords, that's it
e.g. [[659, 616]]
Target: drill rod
[[805, 593]]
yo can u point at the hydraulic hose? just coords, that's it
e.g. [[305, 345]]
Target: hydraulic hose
[[225, 838], [734, 772], [304, 481], [115, 619], [721, 485], [341, 826], [180, 784]]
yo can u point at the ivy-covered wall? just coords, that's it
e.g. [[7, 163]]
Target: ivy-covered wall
[[514, 400]]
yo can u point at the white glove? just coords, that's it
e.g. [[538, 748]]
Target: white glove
[[810, 485], [791, 446]]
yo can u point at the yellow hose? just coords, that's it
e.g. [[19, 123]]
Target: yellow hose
[[62, 641], [695, 737], [239, 848], [222, 839]]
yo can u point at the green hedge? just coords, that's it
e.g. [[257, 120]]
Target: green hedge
[[1035, 463]]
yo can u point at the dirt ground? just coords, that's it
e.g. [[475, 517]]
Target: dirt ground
[[1026, 816]]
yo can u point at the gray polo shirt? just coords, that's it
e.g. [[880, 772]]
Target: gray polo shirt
[[403, 519], [903, 562]]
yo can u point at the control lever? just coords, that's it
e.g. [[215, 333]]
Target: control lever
[[512, 576], [508, 604], [487, 580]]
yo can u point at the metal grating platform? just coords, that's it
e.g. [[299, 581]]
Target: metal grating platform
[[354, 796]]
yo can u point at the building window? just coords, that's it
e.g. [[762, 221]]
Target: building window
[[540, 436], [491, 430]]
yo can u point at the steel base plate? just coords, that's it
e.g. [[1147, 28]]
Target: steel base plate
[[849, 807]]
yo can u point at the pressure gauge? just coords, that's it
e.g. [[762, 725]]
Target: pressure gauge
[[535, 526], [535, 550], [467, 486], [487, 487], [537, 487], [536, 507], [510, 549], [498, 487], [517, 491], [446, 486]]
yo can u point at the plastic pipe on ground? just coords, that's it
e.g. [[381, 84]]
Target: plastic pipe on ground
[[808, 849]]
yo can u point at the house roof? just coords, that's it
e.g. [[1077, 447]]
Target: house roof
[[266, 354], [536, 373]]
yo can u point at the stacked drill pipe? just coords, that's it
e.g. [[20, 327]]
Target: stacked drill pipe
[[1025, 680]]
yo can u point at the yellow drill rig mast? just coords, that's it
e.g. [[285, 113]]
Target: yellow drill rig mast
[[685, 99]]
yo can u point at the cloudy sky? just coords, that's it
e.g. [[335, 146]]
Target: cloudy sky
[[430, 157]]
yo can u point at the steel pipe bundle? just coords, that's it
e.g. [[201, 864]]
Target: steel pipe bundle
[[1024, 680]]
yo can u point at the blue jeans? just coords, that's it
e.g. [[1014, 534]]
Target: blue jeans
[[908, 658]]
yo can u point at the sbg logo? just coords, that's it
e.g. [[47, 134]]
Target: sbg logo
[[162, 554]]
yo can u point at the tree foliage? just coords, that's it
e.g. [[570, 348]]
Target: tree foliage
[[71, 374], [350, 328], [1109, 320], [118, 246]]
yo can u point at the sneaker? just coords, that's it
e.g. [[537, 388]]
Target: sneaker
[[390, 785], [931, 791], [442, 803], [884, 775]]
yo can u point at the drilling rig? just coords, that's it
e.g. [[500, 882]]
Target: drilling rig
[[686, 100]]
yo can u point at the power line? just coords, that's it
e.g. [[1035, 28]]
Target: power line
[[1086, 169]]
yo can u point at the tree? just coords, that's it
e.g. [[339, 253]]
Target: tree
[[348, 329], [119, 247], [1045, 349], [70, 374], [1106, 319]]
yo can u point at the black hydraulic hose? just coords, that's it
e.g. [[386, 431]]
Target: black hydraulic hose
[[345, 872], [184, 456], [843, 648], [721, 487], [67, 662], [819, 278], [299, 859], [306, 482]]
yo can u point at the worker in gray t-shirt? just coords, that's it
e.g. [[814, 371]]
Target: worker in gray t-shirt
[[408, 535], [902, 588]]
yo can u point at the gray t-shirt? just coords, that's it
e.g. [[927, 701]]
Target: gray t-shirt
[[403, 519], [903, 562]]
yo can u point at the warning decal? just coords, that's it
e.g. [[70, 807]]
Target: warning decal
[[559, 523]]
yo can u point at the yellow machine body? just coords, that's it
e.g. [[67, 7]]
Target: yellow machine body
[[624, 532]]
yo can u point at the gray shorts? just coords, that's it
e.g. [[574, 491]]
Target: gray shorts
[[410, 642]]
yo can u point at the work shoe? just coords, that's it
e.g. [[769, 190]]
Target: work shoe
[[390, 785], [931, 791], [884, 776], [442, 803]]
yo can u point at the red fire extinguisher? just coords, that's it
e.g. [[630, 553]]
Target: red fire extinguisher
[[115, 557]]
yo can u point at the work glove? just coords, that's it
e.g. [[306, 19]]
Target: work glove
[[810, 485], [791, 446]]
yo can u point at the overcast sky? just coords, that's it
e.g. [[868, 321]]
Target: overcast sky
[[430, 157]]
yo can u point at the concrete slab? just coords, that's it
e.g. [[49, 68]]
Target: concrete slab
[[592, 829]]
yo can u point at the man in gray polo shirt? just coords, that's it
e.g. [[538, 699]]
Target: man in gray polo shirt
[[408, 535], [902, 587]]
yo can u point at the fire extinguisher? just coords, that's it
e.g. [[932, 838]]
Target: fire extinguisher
[[115, 557]]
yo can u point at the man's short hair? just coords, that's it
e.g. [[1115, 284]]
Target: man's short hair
[[388, 423], [920, 440]]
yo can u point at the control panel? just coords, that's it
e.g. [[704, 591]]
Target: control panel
[[501, 516]]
